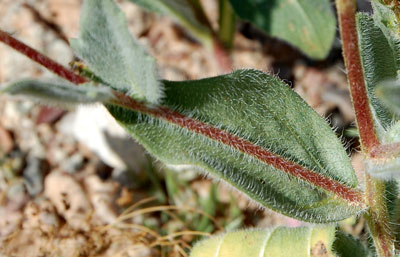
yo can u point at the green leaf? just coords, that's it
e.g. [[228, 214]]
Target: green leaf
[[379, 64], [57, 92], [251, 130], [346, 245], [109, 50], [187, 13], [307, 24], [278, 242], [386, 19], [388, 92]]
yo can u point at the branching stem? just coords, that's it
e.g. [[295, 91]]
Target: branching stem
[[43, 60]]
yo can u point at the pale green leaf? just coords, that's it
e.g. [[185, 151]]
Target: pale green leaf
[[388, 92], [278, 242], [309, 25], [185, 12], [59, 93], [110, 51], [379, 64], [244, 128]]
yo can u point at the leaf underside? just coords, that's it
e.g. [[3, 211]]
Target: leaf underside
[[388, 92], [307, 24], [304, 242], [252, 131], [110, 51], [60, 92]]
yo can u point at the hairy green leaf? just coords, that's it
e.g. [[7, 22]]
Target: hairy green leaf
[[188, 13], [307, 24], [278, 242], [379, 64], [251, 130], [347, 246], [388, 92], [60, 92], [109, 50], [386, 19]]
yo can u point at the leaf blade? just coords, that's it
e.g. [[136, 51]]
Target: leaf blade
[[304, 242], [379, 64], [184, 12], [226, 126], [57, 92], [307, 24], [106, 45]]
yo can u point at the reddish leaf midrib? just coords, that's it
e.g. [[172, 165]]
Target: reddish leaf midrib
[[343, 191]]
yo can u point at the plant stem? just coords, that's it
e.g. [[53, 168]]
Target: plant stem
[[227, 26], [377, 214], [347, 21], [41, 59]]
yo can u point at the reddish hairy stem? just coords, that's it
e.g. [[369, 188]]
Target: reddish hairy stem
[[345, 192], [358, 90], [41, 59]]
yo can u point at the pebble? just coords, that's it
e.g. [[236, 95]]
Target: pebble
[[69, 198]]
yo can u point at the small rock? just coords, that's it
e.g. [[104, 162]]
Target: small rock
[[41, 214], [17, 196], [69, 199]]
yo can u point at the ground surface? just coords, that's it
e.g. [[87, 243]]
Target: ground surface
[[73, 184]]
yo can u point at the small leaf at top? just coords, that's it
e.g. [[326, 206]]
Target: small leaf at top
[[110, 51], [187, 13], [277, 242], [60, 93], [309, 25], [252, 131]]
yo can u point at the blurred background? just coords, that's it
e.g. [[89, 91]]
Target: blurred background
[[73, 183]]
